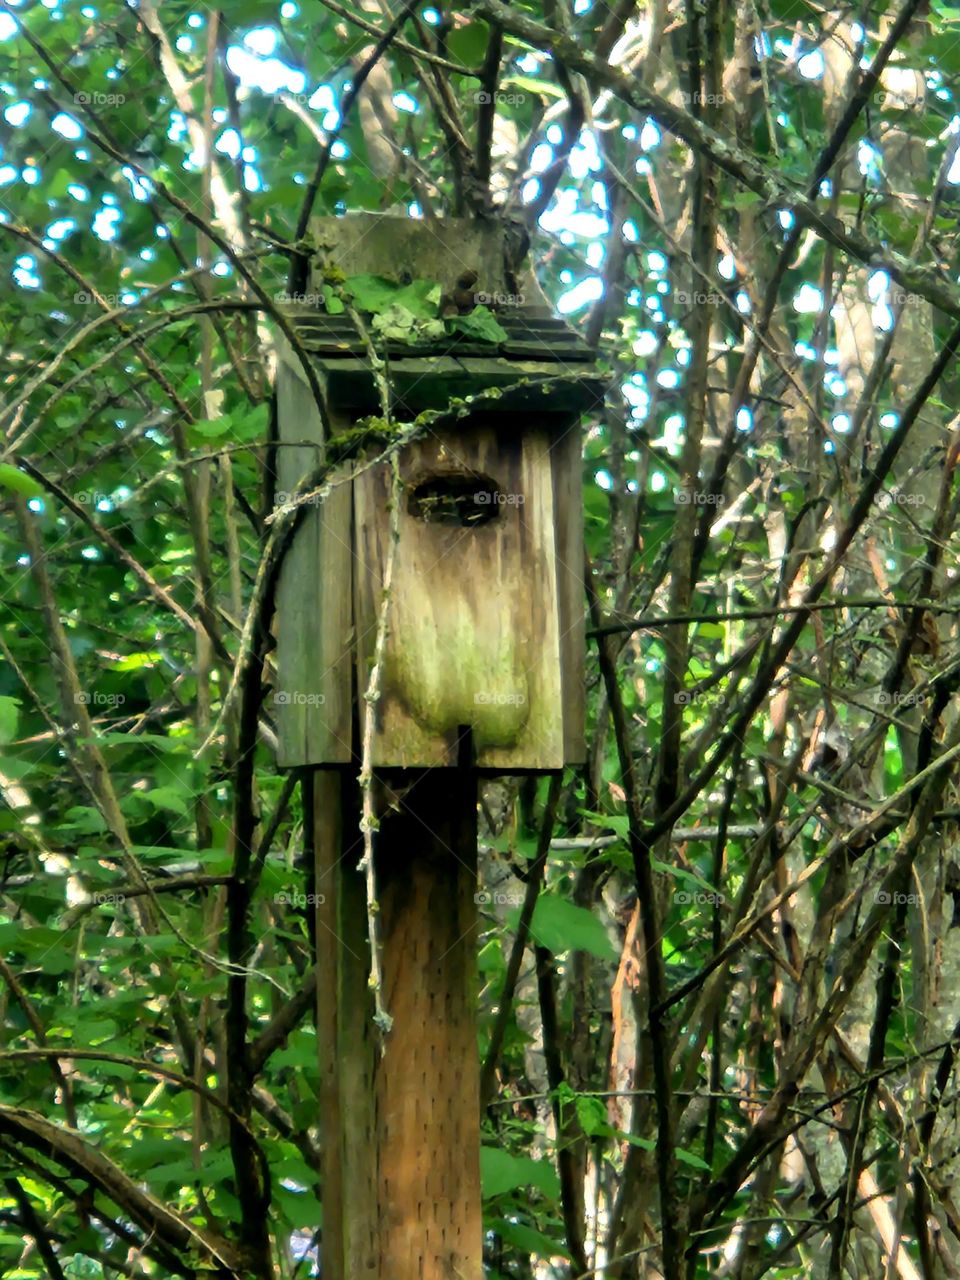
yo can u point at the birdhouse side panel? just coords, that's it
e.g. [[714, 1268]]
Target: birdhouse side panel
[[567, 458], [473, 636], [314, 616]]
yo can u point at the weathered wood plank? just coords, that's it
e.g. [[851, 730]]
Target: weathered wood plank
[[427, 1084], [313, 698], [473, 637], [345, 1036], [566, 456]]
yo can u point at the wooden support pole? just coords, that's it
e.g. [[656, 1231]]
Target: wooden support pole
[[400, 1131]]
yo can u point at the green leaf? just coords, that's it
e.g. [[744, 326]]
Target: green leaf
[[252, 425], [421, 299], [539, 88], [211, 428], [396, 324], [501, 1172], [619, 823], [592, 1115], [561, 926], [9, 718], [332, 303], [169, 798], [136, 662], [98, 1031], [528, 1240], [300, 1208], [480, 323], [468, 44], [80, 1267], [688, 1157], [371, 293], [681, 873], [18, 481], [645, 1144]]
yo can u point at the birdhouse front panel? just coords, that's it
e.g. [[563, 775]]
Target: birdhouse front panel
[[474, 636]]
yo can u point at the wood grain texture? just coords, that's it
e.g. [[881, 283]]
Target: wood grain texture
[[566, 458], [345, 1036], [474, 616], [400, 1132], [313, 698], [427, 1085]]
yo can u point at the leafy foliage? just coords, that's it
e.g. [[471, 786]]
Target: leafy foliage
[[765, 819]]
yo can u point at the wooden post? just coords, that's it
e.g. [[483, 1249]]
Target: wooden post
[[401, 1177], [484, 645]]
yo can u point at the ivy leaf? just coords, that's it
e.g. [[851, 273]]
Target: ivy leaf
[[645, 1144], [421, 298], [168, 798], [9, 717], [481, 324], [592, 1115], [373, 294], [80, 1267], [396, 324], [560, 926], [252, 425], [399, 324], [18, 481], [688, 1157], [528, 1239], [681, 873], [468, 43], [211, 428], [501, 1172], [332, 303]]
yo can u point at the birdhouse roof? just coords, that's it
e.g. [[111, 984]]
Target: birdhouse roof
[[529, 337], [543, 364]]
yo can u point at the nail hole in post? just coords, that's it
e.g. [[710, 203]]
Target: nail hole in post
[[464, 499]]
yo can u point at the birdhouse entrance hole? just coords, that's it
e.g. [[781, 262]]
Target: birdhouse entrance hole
[[465, 499]]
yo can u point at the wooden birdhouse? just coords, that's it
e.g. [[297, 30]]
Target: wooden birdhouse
[[486, 613]]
